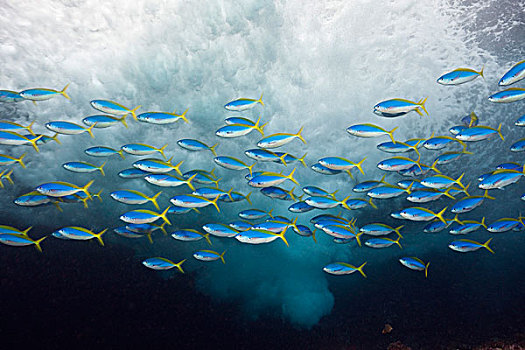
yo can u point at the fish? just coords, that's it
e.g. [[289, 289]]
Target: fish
[[370, 130], [326, 202], [8, 96], [518, 146], [470, 120], [203, 176], [389, 191], [61, 189], [141, 149], [442, 181], [341, 268], [161, 118], [8, 160], [416, 184], [278, 193], [508, 95], [196, 145], [83, 167], [440, 142], [428, 195], [114, 108], [20, 240], [239, 120], [68, 128], [467, 227], [236, 197], [254, 236], [300, 207], [13, 230], [449, 157], [81, 233], [42, 94], [467, 245], [240, 225], [157, 166], [237, 130], [513, 75], [479, 133], [368, 185], [209, 255], [500, 179], [398, 147], [520, 121], [102, 151], [459, 76], [146, 229], [382, 242], [280, 139], [414, 263], [33, 199], [398, 164], [168, 180], [233, 163], [12, 138], [317, 191], [192, 201], [144, 216], [6, 125], [103, 121], [220, 230], [469, 203], [264, 155], [339, 163], [438, 226], [422, 214], [286, 158], [504, 225], [243, 104], [318, 168], [210, 193], [134, 197], [159, 263], [190, 235], [255, 214], [132, 173], [399, 105], [379, 229], [271, 179]]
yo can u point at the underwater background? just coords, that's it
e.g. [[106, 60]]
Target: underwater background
[[321, 66]]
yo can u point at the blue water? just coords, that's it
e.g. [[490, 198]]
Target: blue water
[[320, 65]]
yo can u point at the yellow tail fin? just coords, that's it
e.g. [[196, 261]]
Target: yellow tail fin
[[358, 165], [188, 182], [360, 269], [440, 216], [99, 236], [290, 176], [390, 133], [37, 243], [426, 269], [154, 200], [212, 149], [19, 160], [179, 265], [101, 168], [177, 166], [260, 100], [301, 136], [161, 150], [133, 112], [183, 116], [499, 133], [486, 245], [63, 92], [90, 130], [421, 103], [222, 257], [163, 215], [86, 187], [123, 120]]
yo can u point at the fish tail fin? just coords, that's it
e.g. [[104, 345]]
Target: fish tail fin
[[486, 195], [281, 236], [188, 181], [19, 160], [344, 204], [163, 215], [57, 206], [333, 194], [250, 168], [121, 154], [391, 134], [30, 127], [291, 194], [179, 265], [86, 187], [8, 176], [383, 180], [183, 116], [163, 229], [63, 92], [301, 136], [270, 213], [101, 168], [473, 118], [447, 193], [229, 193], [133, 112], [440, 216], [222, 257], [150, 240], [426, 269], [360, 269], [212, 149], [465, 190], [397, 242], [54, 138], [260, 99], [372, 203], [283, 159], [302, 160], [177, 167], [37, 243], [214, 202], [123, 120], [349, 173], [466, 152], [161, 150], [486, 245], [358, 238], [456, 219], [26, 230], [421, 103], [34, 141], [207, 238], [99, 236], [396, 230], [358, 165], [313, 235], [482, 223], [290, 176], [258, 127], [98, 195], [216, 182], [481, 72], [154, 200], [499, 132], [458, 181], [409, 188], [247, 197]]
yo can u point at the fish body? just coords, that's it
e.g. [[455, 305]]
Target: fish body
[[132, 173], [103, 121], [322, 202], [338, 163], [500, 180], [424, 196], [513, 75], [240, 225], [520, 121], [159, 263], [12, 138], [385, 192], [278, 193], [438, 142], [271, 179], [83, 167], [508, 95], [81, 233], [210, 192], [168, 180], [468, 226], [102, 151], [220, 230], [61, 189], [192, 201], [414, 263], [479, 133], [254, 236], [379, 229], [134, 197], [6, 125], [196, 145], [300, 207], [8, 96], [42, 94], [157, 166], [319, 168], [459, 76], [396, 164], [370, 130], [262, 155], [243, 104], [33, 199], [398, 105], [20, 240], [341, 268], [435, 226], [369, 185], [422, 214], [209, 255], [448, 157], [161, 118], [466, 204], [382, 242], [114, 108], [189, 235], [232, 163], [144, 216], [441, 181], [396, 147], [280, 139], [239, 120], [457, 129], [518, 146], [503, 225], [140, 149], [254, 214], [68, 128]]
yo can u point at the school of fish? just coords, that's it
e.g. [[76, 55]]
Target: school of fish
[[421, 183]]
